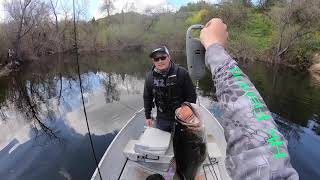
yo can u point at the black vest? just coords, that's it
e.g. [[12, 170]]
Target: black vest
[[166, 91]]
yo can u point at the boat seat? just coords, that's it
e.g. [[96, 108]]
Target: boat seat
[[153, 141], [131, 154]]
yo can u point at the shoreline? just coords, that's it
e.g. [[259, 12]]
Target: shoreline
[[6, 70], [9, 68]]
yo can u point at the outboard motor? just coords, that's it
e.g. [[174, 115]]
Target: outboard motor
[[195, 54]]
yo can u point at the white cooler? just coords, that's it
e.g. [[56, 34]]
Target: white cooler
[[154, 145]]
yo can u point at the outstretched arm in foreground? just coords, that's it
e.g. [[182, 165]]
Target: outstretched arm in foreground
[[255, 147]]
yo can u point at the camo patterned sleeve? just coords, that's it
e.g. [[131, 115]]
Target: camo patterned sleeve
[[255, 147]]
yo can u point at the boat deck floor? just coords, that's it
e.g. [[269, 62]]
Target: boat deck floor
[[136, 170]]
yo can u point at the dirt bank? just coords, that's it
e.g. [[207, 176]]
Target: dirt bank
[[5, 71], [315, 68]]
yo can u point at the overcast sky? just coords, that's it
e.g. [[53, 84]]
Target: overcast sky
[[140, 5], [1, 11], [93, 6]]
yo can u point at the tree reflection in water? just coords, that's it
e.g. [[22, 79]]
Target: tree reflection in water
[[111, 92], [39, 99], [42, 92], [34, 101], [294, 98], [116, 85]]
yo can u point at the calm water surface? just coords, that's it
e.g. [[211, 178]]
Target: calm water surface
[[43, 132]]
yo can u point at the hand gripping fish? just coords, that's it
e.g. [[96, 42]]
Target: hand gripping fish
[[189, 144]]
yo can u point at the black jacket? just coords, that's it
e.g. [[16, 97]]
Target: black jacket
[[168, 91]]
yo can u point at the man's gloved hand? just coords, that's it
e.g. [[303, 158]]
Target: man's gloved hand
[[149, 122], [215, 31]]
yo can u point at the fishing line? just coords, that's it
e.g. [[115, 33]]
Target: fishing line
[[80, 83], [197, 92]]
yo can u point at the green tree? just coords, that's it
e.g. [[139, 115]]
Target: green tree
[[294, 21]]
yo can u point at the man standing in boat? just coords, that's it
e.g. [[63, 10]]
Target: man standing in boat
[[167, 86]]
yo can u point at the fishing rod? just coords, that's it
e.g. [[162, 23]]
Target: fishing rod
[[81, 91]]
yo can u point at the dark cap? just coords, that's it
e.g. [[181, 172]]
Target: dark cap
[[159, 51]]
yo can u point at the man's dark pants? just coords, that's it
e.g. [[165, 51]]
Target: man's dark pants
[[165, 124]]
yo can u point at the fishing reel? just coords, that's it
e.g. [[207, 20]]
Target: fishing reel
[[195, 54]]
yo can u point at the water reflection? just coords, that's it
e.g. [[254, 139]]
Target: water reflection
[[41, 112], [116, 84], [42, 97], [294, 99], [292, 95], [111, 93], [42, 117], [289, 94], [303, 145], [291, 131]]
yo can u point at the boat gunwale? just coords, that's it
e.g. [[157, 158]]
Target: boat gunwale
[[113, 141], [213, 117]]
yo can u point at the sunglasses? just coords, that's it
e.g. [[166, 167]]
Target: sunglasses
[[158, 58]]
